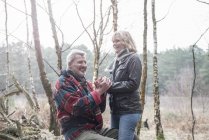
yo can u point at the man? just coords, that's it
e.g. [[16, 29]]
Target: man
[[79, 106]]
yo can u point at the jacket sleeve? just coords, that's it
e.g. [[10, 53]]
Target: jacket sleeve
[[134, 76], [102, 105], [68, 98]]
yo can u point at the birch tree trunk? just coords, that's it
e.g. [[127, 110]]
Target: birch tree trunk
[[142, 89], [115, 14], [156, 94], [57, 46], [45, 82], [5, 100], [36, 105]]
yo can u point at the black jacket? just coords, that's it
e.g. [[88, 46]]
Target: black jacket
[[125, 75]]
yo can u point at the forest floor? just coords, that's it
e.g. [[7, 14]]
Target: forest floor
[[176, 117]]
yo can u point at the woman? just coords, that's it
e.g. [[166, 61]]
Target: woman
[[124, 95]]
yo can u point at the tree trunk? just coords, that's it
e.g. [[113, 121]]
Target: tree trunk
[[45, 82], [5, 102], [142, 89], [156, 94], [37, 108], [96, 65], [57, 46], [115, 14], [192, 92]]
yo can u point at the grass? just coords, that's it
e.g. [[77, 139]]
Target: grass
[[175, 117]]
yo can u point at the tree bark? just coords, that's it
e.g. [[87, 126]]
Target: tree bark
[[4, 103], [45, 82], [142, 89], [36, 105], [54, 32], [156, 94], [115, 14]]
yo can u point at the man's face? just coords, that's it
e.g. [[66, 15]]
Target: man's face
[[78, 65]]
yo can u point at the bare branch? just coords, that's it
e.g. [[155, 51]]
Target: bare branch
[[77, 38], [44, 9], [16, 8], [11, 93], [104, 57], [201, 36], [6, 118], [28, 45], [51, 67], [16, 38], [108, 17], [203, 2], [167, 12], [21, 88], [1, 90], [83, 23]]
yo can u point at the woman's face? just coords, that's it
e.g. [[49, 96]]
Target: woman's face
[[118, 44]]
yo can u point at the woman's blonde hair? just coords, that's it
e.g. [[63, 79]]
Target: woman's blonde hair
[[126, 37]]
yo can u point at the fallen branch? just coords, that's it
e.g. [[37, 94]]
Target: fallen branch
[[21, 88]]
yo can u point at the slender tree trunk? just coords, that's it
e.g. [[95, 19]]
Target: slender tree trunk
[[37, 108], [192, 92], [45, 82], [57, 46], [156, 94], [96, 65], [142, 89], [115, 14], [96, 46], [4, 103]]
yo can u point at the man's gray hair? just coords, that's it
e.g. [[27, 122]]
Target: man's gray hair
[[70, 57]]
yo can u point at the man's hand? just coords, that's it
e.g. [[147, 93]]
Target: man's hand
[[102, 84]]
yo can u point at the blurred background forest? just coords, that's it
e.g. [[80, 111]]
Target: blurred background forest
[[175, 68]]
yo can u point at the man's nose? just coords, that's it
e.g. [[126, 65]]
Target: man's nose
[[84, 64]]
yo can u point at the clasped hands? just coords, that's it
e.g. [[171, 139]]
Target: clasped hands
[[102, 84]]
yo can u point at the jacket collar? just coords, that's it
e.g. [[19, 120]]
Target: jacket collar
[[68, 73], [123, 54]]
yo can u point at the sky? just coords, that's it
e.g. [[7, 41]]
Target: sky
[[183, 24]]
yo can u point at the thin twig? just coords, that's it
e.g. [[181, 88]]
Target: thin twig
[[15, 8], [77, 38], [167, 12], [201, 36], [203, 2]]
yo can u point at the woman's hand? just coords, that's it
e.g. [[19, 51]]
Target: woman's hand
[[102, 84]]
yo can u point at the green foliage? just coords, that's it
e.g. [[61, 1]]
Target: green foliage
[[171, 65]]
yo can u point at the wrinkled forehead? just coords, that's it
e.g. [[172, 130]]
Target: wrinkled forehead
[[80, 56]]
